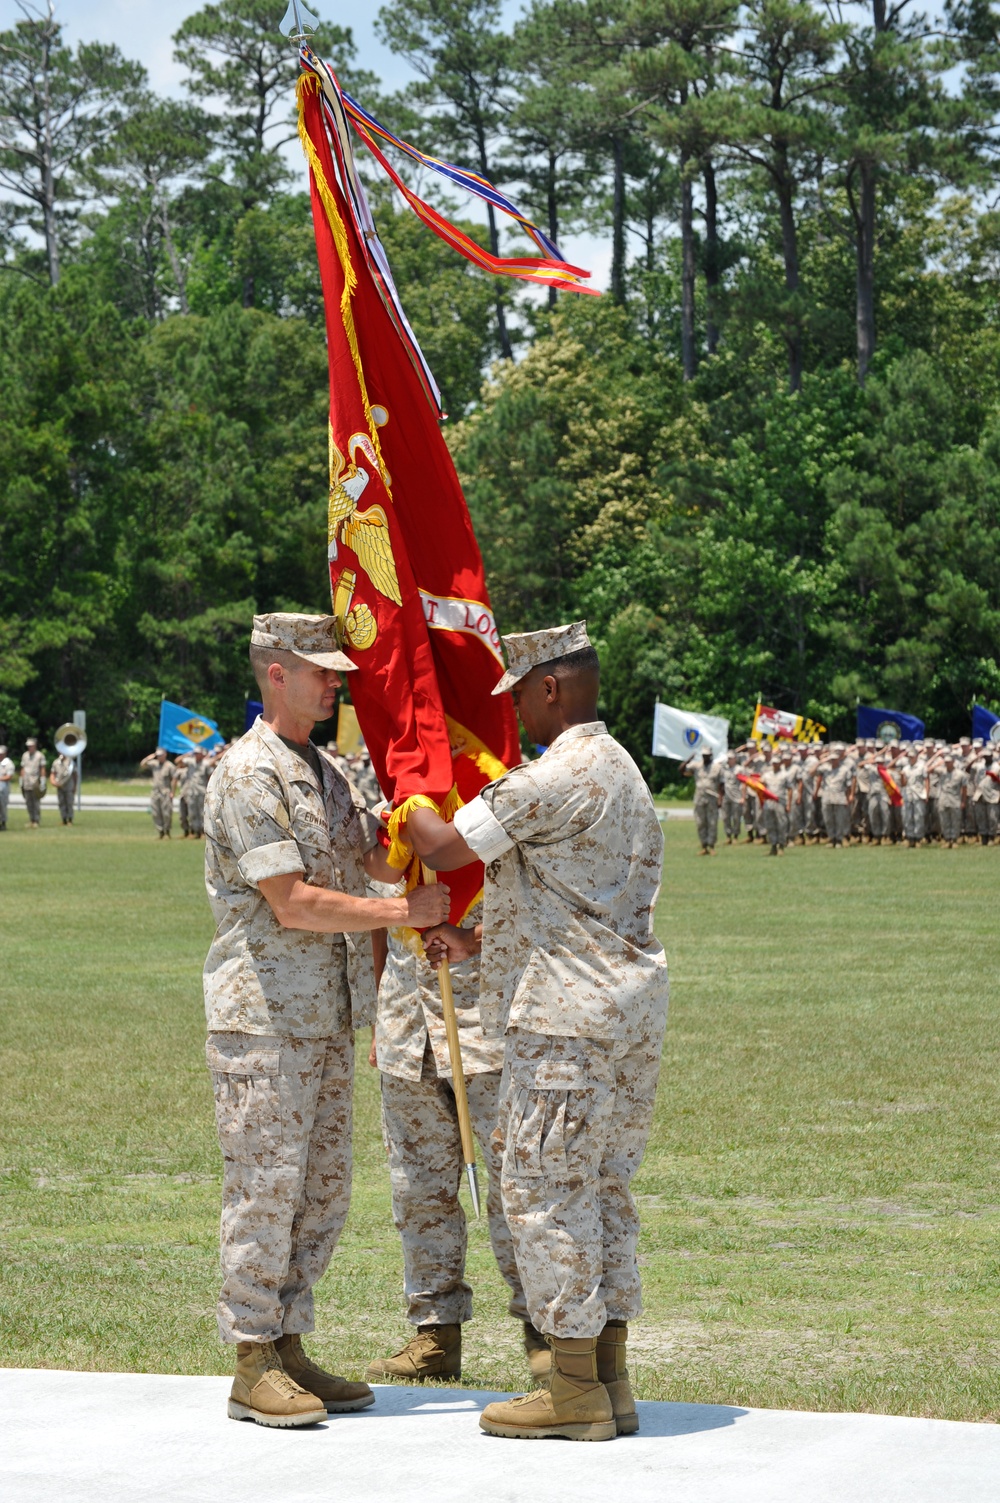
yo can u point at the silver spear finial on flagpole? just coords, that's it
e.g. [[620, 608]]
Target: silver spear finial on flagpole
[[297, 22]]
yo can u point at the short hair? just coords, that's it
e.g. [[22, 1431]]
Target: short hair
[[584, 660], [261, 659]]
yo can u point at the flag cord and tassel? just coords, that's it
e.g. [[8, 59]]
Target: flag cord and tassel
[[457, 1071]]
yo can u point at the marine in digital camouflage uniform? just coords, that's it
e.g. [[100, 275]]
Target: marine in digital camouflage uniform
[[195, 773], [986, 795], [877, 800], [33, 781], [775, 778], [952, 792], [423, 1144], [573, 976], [161, 799], [707, 797], [733, 798], [290, 973], [914, 789], [834, 785], [62, 776]]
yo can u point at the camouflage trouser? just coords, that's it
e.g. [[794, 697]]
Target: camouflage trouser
[[732, 816], [933, 817], [283, 1111], [33, 804], [161, 806], [986, 818], [895, 820], [837, 819], [183, 807], [4, 801], [914, 817], [66, 793], [795, 822], [575, 1117], [808, 814], [878, 815], [951, 822], [420, 1130], [196, 812], [706, 818], [775, 823]]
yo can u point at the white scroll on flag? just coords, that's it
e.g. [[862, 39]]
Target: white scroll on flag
[[683, 734]]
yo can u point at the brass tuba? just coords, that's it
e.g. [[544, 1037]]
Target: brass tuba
[[70, 740]]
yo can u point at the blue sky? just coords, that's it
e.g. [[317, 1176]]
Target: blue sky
[[143, 30]]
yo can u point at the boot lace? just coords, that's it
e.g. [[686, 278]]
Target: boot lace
[[280, 1380]]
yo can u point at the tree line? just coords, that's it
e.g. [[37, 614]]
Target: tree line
[[765, 462]]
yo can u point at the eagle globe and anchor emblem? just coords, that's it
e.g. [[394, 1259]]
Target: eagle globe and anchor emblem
[[366, 533]]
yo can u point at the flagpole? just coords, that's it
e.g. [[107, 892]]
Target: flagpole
[[457, 1070]]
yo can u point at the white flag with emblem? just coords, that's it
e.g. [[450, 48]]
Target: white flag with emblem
[[683, 734]]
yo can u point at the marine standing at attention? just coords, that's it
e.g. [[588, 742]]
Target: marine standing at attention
[[33, 781], [290, 974], [574, 977]]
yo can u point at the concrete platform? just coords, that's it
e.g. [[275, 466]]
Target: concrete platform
[[122, 1438]]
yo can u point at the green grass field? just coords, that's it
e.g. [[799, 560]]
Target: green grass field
[[820, 1197]]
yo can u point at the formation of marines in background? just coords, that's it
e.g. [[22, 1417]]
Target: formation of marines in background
[[899, 793]]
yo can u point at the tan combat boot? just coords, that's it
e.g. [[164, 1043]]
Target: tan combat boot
[[263, 1391], [434, 1352], [539, 1355], [337, 1394], [575, 1406], [613, 1374]]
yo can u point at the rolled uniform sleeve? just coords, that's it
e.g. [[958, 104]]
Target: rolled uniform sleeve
[[258, 832], [480, 829], [536, 804]]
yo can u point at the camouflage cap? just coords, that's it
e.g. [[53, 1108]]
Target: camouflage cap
[[528, 649], [310, 637]]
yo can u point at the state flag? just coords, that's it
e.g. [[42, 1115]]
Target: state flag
[[888, 725], [183, 730], [782, 725], [985, 725], [684, 733]]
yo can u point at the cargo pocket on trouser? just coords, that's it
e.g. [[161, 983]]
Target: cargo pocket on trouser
[[551, 1103], [245, 1071]]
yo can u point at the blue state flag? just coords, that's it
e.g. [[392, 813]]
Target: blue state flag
[[254, 708], [888, 725], [183, 731], [985, 725]]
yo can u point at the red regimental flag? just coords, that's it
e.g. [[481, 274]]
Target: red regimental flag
[[406, 577], [895, 797], [753, 782]]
